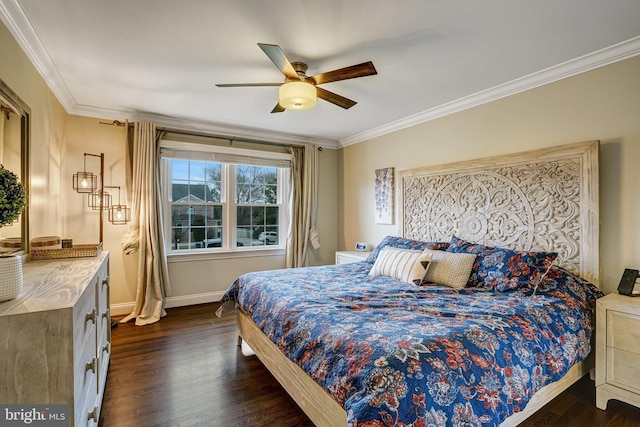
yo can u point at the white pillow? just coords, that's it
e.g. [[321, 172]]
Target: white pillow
[[449, 268], [402, 264]]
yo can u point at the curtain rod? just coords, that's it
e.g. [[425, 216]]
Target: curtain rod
[[194, 133], [7, 110]]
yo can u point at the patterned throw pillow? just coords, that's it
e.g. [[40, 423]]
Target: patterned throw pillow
[[449, 269], [402, 264], [502, 269], [402, 243]]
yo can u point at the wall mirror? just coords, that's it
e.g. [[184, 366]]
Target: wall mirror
[[14, 155]]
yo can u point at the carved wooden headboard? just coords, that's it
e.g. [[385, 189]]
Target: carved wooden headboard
[[545, 199]]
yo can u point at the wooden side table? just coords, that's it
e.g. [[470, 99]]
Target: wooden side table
[[617, 350]]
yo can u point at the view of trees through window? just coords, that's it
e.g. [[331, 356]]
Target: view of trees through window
[[199, 197], [258, 214]]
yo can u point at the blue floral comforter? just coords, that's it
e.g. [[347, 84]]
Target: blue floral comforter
[[393, 354]]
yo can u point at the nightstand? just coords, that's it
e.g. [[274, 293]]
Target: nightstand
[[346, 257], [617, 350]]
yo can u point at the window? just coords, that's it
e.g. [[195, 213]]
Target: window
[[221, 199], [257, 209], [196, 204]]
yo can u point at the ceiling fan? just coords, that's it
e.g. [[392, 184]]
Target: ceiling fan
[[298, 91]]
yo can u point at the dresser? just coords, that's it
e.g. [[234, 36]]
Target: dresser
[[617, 350], [55, 337], [346, 257]]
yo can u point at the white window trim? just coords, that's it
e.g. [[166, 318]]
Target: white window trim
[[240, 152], [204, 255], [229, 248]]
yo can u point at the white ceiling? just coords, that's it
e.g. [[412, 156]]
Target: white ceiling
[[159, 59]]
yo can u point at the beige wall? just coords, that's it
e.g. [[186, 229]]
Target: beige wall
[[602, 104], [81, 223], [47, 136]]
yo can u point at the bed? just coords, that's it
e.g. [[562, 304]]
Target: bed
[[487, 343]]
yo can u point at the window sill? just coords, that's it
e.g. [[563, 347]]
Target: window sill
[[205, 256]]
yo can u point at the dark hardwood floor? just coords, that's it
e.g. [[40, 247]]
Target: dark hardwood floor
[[187, 370]]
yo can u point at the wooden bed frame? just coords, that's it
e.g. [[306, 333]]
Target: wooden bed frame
[[326, 412], [565, 220]]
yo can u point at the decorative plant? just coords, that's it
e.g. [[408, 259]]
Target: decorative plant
[[12, 196]]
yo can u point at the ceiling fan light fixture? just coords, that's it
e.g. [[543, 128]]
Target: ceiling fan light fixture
[[297, 95]]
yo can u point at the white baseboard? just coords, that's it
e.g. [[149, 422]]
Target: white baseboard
[[122, 309], [170, 302]]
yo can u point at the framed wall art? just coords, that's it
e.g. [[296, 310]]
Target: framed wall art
[[384, 196]]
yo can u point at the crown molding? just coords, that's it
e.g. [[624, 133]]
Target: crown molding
[[203, 126], [19, 26], [600, 58]]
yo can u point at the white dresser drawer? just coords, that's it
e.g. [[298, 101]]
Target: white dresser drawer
[[85, 317], [89, 414], [102, 289], [104, 354], [85, 367], [87, 401]]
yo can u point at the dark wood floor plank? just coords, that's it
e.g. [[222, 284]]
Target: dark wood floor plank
[[187, 370]]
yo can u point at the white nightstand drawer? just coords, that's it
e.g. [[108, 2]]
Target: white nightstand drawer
[[346, 257], [623, 331], [624, 369]]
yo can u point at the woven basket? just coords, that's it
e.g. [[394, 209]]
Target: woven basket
[[10, 277], [76, 251]]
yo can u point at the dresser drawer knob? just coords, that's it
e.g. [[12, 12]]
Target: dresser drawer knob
[[106, 348], [92, 366], [105, 314], [93, 415], [105, 281], [91, 316]]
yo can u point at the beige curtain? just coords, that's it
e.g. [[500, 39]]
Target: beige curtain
[[145, 235], [303, 205]]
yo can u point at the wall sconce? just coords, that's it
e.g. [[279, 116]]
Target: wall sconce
[[86, 182]]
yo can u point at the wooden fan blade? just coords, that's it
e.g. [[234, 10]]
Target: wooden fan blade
[[334, 98], [248, 84], [360, 70], [278, 108], [276, 55]]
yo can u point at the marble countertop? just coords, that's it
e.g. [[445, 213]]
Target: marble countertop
[[52, 285]]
